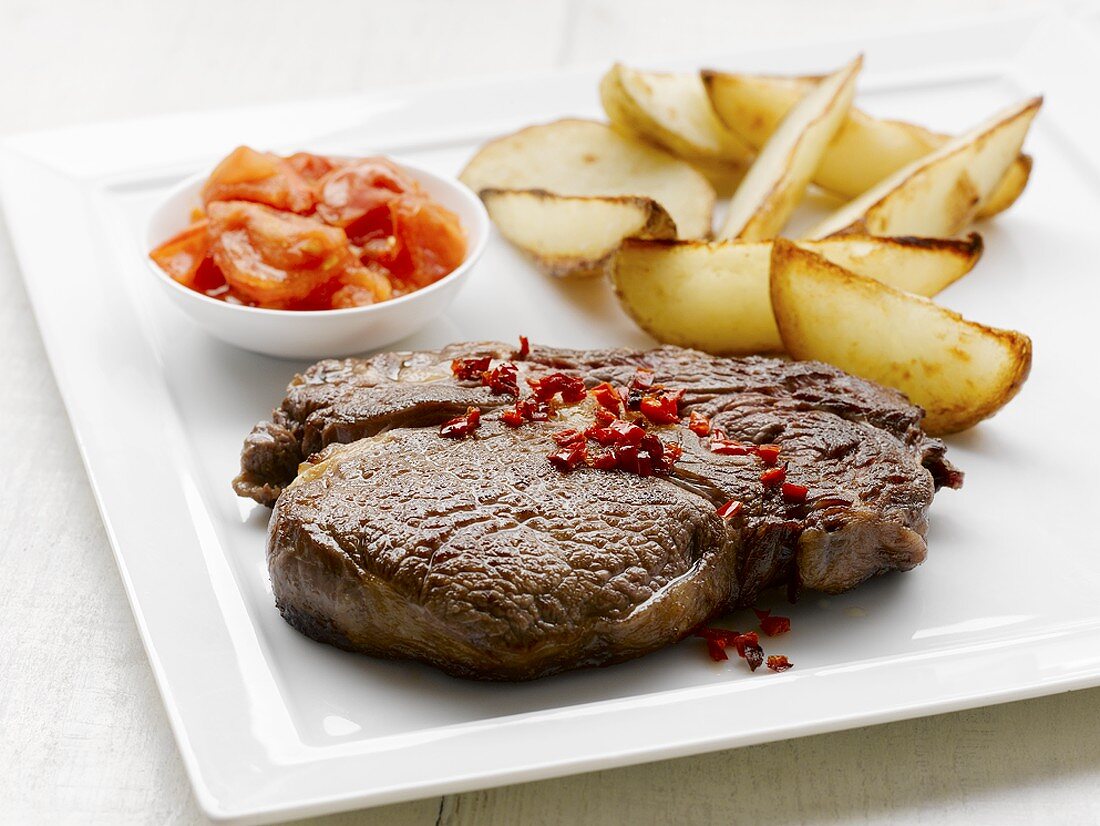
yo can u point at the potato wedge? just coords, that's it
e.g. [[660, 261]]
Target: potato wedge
[[574, 235], [672, 110], [959, 371], [924, 266], [582, 157], [866, 149], [938, 194], [777, 180], [715, 296]]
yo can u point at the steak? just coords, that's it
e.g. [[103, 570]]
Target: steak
[[477, 556]]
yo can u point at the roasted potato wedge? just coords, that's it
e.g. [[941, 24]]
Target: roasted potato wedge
[[777, 180], [866, 149], [586, 158], [574, 235], [672, 110], [959, 371], [715, 296], [938, 195]]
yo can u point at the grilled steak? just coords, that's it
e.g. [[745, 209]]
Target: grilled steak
[[477, 556]]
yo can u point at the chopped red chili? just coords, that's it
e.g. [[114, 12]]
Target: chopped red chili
[[461, 426], [604, 460], [662, 407], [674, 451], [618, 432], [778, 662], [768, 453], [793, 493], [748, 647], [524, 349], [604, 417], [569, 457], [773, 626], [534, 410], [773, 476], [698, 423], [716, 649], [731, 509], [512, 418], [634, 460], [607, 397], [470, 369], [571, 388], [569, 437], [724, 634], [502, 380], [741, 641]]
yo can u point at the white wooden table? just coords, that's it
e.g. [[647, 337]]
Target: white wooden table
[[83, 736]]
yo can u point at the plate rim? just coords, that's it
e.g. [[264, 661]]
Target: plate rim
[[23, 172]]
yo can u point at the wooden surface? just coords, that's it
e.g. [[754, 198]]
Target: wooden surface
[[83, 736]]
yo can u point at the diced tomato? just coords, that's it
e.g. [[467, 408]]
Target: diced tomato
[[361, 189], [181, 255], [362, 285], [260, 177], [430, 238], [312, 167], [275, 258]]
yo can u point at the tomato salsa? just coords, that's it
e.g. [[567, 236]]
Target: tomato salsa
[[309, 232]]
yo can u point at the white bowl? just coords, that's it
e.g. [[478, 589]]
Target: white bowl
[[310, 334]]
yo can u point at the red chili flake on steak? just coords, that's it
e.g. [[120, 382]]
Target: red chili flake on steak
[[604, 417], [524, 349], [470, 369], [512, 418], [633, 460], [502, 380], [461, 426], [795, 494], [565, 438], [698, 423], [773, 476], [731, 509], [571, 388], [569, 457], [534, 410], [768, 453], [778, 662], [673, 452], [662, 407], [604, 460], [607, 397]]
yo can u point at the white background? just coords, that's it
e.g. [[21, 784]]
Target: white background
[[83, 737]]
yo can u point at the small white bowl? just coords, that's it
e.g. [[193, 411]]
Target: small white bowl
[[310, 334]]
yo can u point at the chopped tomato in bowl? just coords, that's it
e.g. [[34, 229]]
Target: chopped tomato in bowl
[[371, 247]]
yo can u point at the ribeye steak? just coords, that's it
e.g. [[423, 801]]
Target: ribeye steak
[[478, 556]]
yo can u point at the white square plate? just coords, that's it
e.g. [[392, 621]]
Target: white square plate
[[273, 725]]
